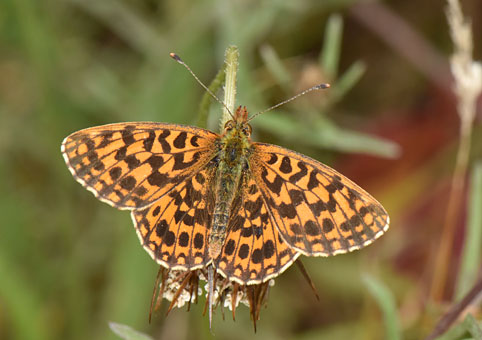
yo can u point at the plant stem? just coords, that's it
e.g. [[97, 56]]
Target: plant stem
[[231, 69]]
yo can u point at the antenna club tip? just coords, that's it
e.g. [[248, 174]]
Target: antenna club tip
[[323, 86], [175, 57]]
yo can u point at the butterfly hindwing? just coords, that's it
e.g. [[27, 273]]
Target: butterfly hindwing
[[131, 165], [318, 211], [174, 229], [253, 251]]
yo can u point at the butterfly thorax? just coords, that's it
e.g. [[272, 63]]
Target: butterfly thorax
[[232, 158]]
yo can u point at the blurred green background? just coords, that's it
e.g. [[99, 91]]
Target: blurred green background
[[70, 264]]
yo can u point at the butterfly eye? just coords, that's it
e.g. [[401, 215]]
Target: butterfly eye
[[247, 130], [229, 125]]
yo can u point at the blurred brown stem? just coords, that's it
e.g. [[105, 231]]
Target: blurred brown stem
[[456, 310], [444, 253]]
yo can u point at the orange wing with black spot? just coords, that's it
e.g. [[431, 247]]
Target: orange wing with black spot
[[317, 211], [131, 165], [159, 171], [174, 229], [253, 251]]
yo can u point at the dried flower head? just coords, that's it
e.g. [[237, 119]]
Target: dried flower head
[[182, 287]]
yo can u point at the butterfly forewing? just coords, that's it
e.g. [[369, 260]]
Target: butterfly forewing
[[253, 250], [131, 165], [317, 210]]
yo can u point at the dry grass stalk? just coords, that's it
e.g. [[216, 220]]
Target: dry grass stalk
[[467, 87]]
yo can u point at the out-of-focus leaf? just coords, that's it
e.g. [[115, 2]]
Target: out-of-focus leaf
[[330, 54], [128, 24], [276, 67], [324, 134], [347, 81], [386, 302], [473, 327], [127, 332]]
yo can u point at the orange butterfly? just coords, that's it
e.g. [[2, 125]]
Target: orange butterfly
[[199, 198]]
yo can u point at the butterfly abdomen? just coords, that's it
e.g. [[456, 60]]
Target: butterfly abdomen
[[232, 160]]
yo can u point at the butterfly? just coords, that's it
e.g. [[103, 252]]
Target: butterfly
[[199, 198]]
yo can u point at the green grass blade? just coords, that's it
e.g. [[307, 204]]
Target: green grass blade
[[276, 67], [324, 134], [126, 23], [347, 81], [127, 332], [206, 100], [473, 327], [471, 253], [386, 302], [330, 54]]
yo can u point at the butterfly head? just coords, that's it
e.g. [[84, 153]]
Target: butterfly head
[[239, 124]]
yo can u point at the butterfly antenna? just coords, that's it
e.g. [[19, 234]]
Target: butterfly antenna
[[316, 87], [180, 61]]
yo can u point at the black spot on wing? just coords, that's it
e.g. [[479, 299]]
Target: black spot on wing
[[166, 147], [140, 191], [155, 162], [300, 174], [158, 179], [243, 251], [179, 163], [285, 166], [198, 241], [161, 228], [313, 181], [132, 161], [296, 196], [268, 249], [183, 239], [274, 186], [311, 228], [115, 172], [169, 238], [273, 159], [200, 178], [287, 210], [180, 140], [106, 139], [194, 141], [229, 247], [149, 141], [128, 183], [121, 153], [328, 225], [127, 136], [257, 256], [99, 166]]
